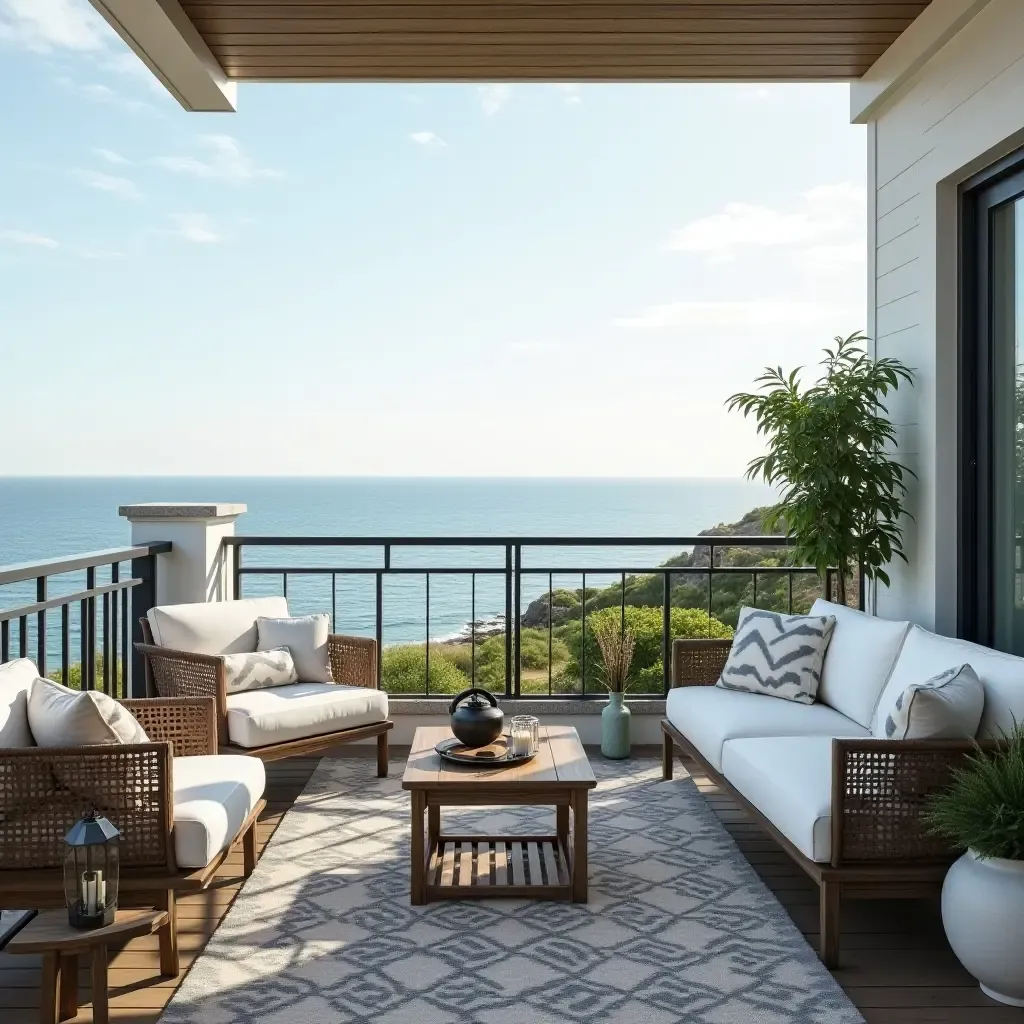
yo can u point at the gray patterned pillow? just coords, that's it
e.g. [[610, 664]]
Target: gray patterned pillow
[[946, 707], [778, 655], [260, 669]]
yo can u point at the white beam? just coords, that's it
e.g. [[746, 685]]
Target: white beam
[[937, 24], [167, 42]]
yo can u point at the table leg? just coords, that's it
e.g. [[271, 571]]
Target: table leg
[[433, 827], [100, 1004], [417, 878], [562, 826], [50, 989], [168, 936], [69, 986], [579, 846]]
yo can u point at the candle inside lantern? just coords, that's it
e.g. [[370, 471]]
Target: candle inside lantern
[[92, 885]]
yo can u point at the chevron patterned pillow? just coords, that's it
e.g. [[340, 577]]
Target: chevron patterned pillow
[[778, 655], [259, 669]]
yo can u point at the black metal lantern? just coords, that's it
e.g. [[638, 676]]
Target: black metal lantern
[[91, 869]]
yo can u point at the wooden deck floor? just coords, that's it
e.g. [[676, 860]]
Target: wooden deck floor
[[897, 966]]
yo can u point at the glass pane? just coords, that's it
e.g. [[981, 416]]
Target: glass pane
[[1007, 307]]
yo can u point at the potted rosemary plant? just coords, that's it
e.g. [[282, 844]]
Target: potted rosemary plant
[[616, 644], [983, 894]]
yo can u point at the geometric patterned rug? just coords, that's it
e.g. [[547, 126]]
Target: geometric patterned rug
[[678, 928]]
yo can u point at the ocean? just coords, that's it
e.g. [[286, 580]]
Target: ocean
[[47, 517]]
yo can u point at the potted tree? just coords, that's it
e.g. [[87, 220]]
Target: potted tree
[[983, 894], [616, 644], [828, 450]]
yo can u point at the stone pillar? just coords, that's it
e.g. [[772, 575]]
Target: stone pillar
[[197, 568]]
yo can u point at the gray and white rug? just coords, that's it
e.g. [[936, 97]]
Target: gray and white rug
[[679, 928]]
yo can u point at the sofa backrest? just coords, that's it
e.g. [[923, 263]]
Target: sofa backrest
[[927, 654], [859, 660], [15, 682], [217, 627]]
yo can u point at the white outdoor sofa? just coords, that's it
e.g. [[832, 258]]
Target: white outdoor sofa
[[844, 804]]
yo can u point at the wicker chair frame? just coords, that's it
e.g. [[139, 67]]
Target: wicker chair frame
[[182, 674], [46, 790], [881, 846]]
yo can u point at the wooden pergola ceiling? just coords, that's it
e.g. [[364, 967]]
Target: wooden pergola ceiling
[[552, 40]]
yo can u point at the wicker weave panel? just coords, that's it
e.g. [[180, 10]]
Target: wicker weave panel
[[189, 724], [353, 660], [698, 662], [44, 792], [179, 674], [885, 787]]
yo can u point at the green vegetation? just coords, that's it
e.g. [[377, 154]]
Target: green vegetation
[[404, 670], [74, 681]]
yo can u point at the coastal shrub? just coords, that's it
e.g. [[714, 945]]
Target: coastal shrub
[[74, 680], [646, 675], [404, 670]]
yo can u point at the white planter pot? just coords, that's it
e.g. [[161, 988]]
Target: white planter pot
[[983, 914]]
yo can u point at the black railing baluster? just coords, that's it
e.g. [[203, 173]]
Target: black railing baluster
[[115, 577], [753, 576], [236, 572], [711, 570], [472, 630], [65, 644], [666, 631], [789, 577], [106, 647], [89, 662], [583, 638], [284, 577], [508, 620], [5, 640], [334, 603], [517, 649], [550, 628], [428, 633], [83, 645], [41, 626], [23, 636]]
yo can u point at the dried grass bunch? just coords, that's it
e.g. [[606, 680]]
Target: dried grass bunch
[[616, 645]]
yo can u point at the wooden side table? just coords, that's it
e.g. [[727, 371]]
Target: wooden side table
[[50, 934]]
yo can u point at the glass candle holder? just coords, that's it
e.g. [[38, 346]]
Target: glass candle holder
[[523, 736]]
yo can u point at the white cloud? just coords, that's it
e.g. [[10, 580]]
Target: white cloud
[[834, 260], [196, 227], [572, 93], [226, 160], [44, 25], [124, 187], [28, 238], [493, 97], [753, 313], [104, 94], [824, 214], [110, 156], [428, 139]]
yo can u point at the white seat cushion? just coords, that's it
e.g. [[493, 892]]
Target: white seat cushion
[[790, 782], [258, 718], [860, 658], [926, 654], [16, 678], [217, 627], [708, 716], [213, 796]]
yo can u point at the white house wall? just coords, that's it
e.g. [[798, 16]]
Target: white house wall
[[962, 111]]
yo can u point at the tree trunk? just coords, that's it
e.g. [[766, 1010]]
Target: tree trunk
[[838, 577]]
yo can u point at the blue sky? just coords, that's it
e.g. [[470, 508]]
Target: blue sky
[[408, 280]]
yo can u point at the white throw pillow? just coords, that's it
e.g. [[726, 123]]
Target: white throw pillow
[[60, 717], [778, 655], [259, 670], [946, 707], [16, 678], [306, 637]]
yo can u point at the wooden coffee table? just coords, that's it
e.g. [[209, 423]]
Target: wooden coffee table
[[478, 867]]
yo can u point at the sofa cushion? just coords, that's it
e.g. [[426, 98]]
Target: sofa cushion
[[708, 716], [216, 627], [927, 654], [790, 782], [306, 637], [213, 795], [258, 670], [257, 718], [778, 655], [861, 656], [16, 678], [946, 707], [61, 717]]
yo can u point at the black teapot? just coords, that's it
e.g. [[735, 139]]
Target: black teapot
[[479, 721]]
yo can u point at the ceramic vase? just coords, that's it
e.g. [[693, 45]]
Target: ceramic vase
[[615, 727]]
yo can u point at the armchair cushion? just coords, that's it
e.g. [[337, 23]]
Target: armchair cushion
[[61, 717], [306, 637], [217, 627], [708, 716], [789, 780], [258, 670], [16, 678], [258, 718], [213, 796]]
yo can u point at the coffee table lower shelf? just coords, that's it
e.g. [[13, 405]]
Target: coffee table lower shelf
[[483, 867]]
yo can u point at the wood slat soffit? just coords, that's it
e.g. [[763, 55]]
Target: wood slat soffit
[[553, 40]]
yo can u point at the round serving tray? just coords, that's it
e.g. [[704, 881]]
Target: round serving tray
[[494, 755]]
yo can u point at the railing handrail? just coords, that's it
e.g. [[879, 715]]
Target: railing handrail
[[20, 572], [524, 540]]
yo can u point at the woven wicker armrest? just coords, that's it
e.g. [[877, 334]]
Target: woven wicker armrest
[[698, 662], [189, 724], [353, 660], [880, 789], [47, 789], [182, 674]]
